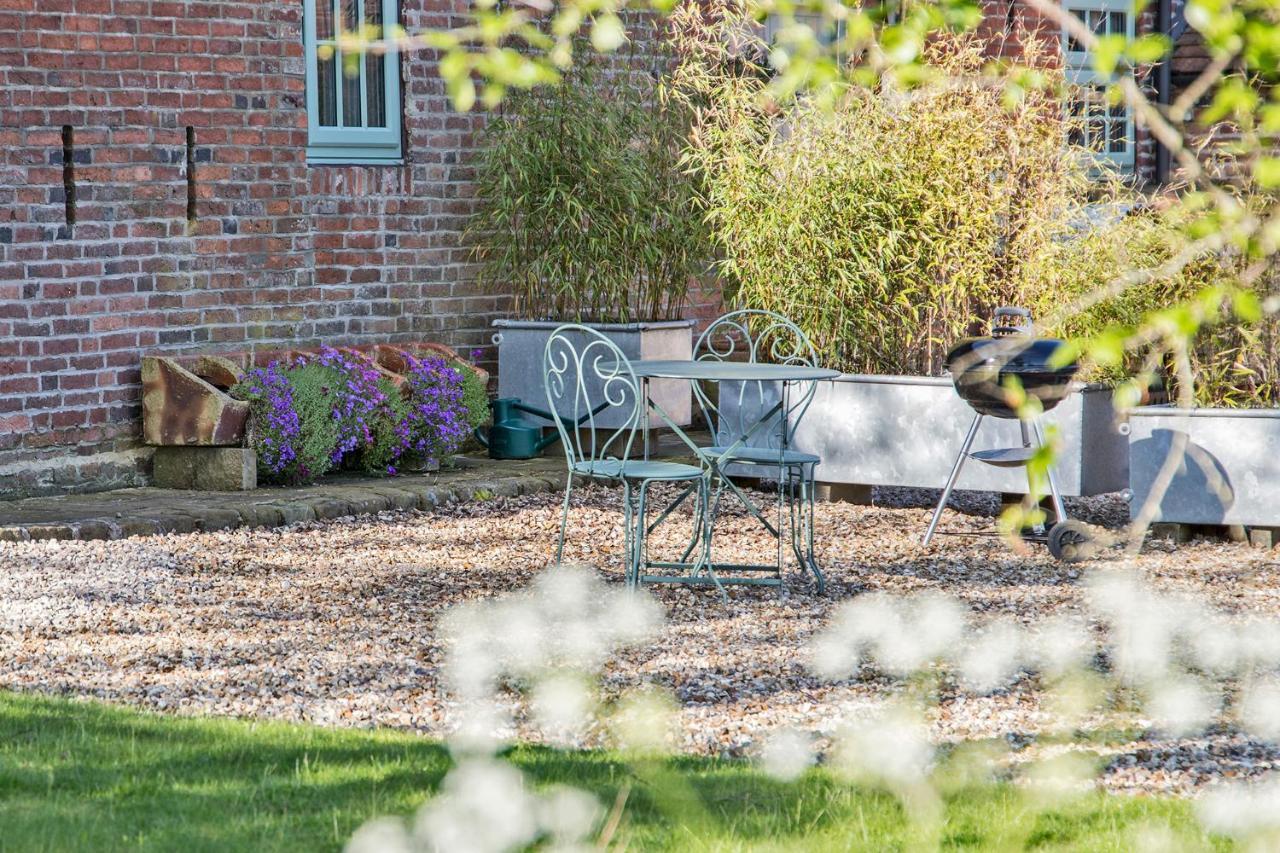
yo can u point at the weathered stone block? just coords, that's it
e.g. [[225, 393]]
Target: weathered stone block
[[217, 370], [206, 469], [180, 409]]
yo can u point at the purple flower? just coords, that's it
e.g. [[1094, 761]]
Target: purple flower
[[280, 424], [436, 425], [357, 399]]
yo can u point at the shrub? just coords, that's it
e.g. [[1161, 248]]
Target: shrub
[[888, 225], [584, 213], [357, 398], [1235, 361], [475, 399], [438, 418], [389, 432], [291, 425]]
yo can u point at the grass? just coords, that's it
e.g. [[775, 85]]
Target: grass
[[78, 775]]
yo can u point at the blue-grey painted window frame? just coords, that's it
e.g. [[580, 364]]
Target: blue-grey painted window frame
[[357, 145], [1080, 72]]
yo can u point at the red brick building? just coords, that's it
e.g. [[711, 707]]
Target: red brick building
[[157, 193]]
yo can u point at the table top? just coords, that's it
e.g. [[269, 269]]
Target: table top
[[727, 371]]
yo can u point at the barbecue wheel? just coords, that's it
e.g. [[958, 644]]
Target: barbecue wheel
[[1072, 541]]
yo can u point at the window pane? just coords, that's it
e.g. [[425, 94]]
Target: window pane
[[375, 85], [375, 69], [1118, 24], [1119, 142], [324, 20], [351, 113], [1097, 129], [1073, 44], [326, 78], [350, 14], [1075, 122]]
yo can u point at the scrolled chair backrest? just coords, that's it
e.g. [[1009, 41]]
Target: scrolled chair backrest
[[755, 336], [585, 376]]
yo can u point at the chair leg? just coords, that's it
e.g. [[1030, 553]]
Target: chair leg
[[641, 560], [628, 533], [708, 521], [564, 519], [807, 489]]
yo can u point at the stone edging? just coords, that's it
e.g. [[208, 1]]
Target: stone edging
[[337, 501]]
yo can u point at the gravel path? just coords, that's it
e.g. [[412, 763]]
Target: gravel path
[[333, 622]]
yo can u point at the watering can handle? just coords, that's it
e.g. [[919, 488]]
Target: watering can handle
[[481, 436]]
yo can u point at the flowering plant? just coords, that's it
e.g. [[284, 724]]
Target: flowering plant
[[320, 411], [356, 398], [291, 427], [438, 418]]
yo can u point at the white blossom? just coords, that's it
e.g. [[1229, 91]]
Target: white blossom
[[381, 835], [787, 754], [1241, 809], [568, 817], [483, 807], [891, 746], [1059, 644], [993, 657], [1260, 709], [1182, 706], [562, 705]]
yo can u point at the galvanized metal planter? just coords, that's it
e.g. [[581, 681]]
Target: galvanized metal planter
[[521, 344], [906, 431], [1230, 473]]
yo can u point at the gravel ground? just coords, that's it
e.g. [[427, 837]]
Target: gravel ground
[[334, 622]]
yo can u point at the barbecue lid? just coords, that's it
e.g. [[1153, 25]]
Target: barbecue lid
[[980, 366]]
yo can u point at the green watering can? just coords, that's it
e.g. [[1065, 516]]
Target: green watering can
[[513, 437]]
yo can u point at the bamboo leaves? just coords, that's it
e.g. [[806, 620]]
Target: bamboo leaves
[[584, 211]]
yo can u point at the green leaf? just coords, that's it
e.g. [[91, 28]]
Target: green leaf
[[1267, 172], [1148, 49], [1246, 305], [1107, 54]]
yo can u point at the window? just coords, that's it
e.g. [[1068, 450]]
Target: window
[[1106, 129], [353, 109]]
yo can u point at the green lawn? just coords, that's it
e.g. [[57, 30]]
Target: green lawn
[[86, 776]]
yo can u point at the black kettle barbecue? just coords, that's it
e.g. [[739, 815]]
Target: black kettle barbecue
[[982, 370]]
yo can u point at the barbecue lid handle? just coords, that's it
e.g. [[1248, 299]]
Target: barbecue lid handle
[[1010, 320]]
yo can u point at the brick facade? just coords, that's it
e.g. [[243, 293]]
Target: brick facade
[[278, 252], [101, 260]]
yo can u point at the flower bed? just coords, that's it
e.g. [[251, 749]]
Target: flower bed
[[379, 409], [315, 412]]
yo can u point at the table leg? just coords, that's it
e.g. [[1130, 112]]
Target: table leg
[[644, 385]]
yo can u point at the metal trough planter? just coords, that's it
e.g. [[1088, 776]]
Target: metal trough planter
[[906, 430], [1229, 475], [521, 344]]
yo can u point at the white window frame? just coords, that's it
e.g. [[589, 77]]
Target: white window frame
[[1079, 69], [355, 145]]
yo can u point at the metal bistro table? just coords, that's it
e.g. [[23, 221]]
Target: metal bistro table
[[785, 375]]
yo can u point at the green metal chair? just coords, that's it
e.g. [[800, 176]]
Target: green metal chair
[[584, 373], [754, 335]]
